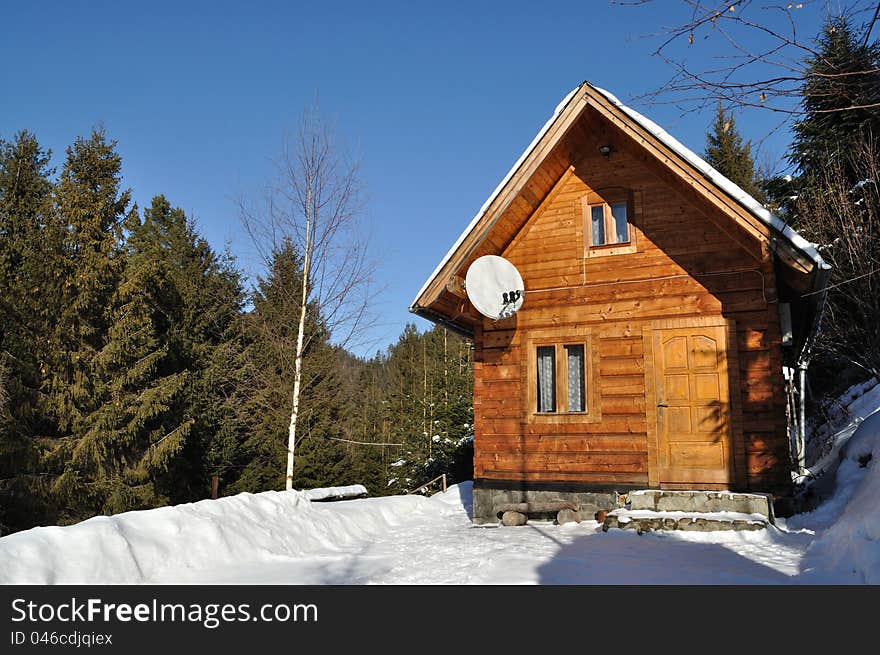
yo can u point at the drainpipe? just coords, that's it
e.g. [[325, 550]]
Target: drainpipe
[[801, 451]]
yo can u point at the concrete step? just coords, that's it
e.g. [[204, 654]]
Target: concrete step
[[663, 500], [643, 520]]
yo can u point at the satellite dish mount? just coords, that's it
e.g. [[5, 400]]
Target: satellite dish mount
[[494, 287]]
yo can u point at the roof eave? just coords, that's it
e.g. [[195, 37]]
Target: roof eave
[[439, 319]]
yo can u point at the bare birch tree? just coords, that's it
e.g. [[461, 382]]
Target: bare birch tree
[[316, 204]]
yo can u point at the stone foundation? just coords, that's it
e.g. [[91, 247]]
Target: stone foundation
[[489, 501]]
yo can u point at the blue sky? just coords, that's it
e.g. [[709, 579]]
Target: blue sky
[[438, 100]]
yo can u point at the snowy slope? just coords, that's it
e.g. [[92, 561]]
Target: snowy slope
[[848, 551], [284, 538]]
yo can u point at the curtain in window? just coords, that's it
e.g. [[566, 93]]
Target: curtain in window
[[546, 379], [618, 211], [597, 219], [575, 357]]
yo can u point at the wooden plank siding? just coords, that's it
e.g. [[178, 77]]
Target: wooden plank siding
[[686, 265]]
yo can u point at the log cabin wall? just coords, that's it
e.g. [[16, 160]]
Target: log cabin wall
[[685, 265]]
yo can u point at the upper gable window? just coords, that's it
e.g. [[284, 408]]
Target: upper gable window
[[608, 223]]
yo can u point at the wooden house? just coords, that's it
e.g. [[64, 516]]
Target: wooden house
[[662, 307]]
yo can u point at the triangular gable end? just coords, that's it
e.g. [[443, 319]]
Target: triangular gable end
[[744, 210]]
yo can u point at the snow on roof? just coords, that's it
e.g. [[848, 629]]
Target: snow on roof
[[674, 144]]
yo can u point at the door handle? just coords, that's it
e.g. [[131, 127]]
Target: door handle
[[662, 405]]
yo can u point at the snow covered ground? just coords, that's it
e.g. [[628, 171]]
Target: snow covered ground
[[284, 538]]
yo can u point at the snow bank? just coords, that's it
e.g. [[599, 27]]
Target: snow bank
[[457, 496], [168, 543], [849, 550]]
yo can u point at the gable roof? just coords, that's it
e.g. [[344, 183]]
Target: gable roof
[[719, 181]]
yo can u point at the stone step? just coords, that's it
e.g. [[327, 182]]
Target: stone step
[[662, 500], [643, 520]]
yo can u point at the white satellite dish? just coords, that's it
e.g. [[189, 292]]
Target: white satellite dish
[[494, 287]]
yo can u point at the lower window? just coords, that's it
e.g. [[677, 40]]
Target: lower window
[[560, 378]]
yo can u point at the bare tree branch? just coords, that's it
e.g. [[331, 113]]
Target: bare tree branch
[[845, 218], [747, 54]]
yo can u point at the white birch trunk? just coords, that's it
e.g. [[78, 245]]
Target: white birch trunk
[[297, 372]]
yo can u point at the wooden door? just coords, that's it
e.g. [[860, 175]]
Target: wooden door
[[692, 398]]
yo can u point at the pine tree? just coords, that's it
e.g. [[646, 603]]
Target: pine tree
[[140, 425], [430, 406], [206, 341], [726, 152], [845, 218], [365, 422], [24, 197], [836, 149], [165, 424], [89, 207], [130, 372], [26, 245], [407, 408], [840, 101]]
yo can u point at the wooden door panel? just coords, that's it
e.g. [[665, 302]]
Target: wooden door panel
[[677, 387], [693, 405], [678, 420], [710, 419], [705, 352], [675, 354], [707, 387], [699, 455]]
